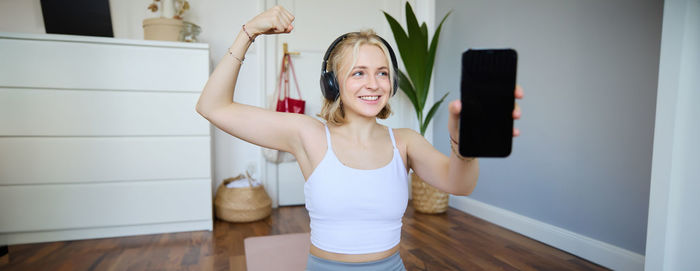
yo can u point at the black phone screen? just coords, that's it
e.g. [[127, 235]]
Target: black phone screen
[[488, 99]]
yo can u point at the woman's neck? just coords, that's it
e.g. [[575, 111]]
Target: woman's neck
[[358, 129]]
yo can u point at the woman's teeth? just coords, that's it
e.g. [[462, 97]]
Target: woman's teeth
[[369, 98]]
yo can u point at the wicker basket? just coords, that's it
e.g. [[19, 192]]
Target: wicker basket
[[426, 198], [244, 204]]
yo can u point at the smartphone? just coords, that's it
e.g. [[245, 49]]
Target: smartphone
[[488, 99]]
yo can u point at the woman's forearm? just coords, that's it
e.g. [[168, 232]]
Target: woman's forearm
[[218, 91], [462, 174]]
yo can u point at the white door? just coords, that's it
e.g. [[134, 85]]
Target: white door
[[317, 24]]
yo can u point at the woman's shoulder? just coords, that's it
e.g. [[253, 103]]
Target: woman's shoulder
[[312, 126], [406, 133], [404, 136]]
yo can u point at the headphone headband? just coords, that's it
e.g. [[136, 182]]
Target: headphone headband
[[330, 49], [329, 82]]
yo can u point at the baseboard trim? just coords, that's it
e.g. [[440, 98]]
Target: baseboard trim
[[104, 232], [601, 253]]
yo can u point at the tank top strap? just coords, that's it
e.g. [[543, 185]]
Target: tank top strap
[[328, 136], [391, 134]]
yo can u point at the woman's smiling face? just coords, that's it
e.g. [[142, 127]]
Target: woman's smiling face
[[366, 88]]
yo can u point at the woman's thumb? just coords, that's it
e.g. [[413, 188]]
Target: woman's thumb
[[455, 107]]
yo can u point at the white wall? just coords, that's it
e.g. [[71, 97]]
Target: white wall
[[21, 16], [672, 239]]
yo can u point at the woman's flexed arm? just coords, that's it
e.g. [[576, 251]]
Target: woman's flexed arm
[[252, 124], [218, 92]]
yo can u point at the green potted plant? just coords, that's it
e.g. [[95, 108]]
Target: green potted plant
[[418, 57]]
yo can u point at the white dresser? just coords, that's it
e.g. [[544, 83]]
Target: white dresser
[[99, 138]]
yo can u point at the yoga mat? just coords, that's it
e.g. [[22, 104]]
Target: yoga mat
[[277, 252]]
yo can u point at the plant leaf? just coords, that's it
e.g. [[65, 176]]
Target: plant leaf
[[431, 55], [407, 88], [415, 62], [432, 111], [400, 35], [424, 32]]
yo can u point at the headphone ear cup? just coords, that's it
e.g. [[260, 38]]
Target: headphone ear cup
[[329, 86]]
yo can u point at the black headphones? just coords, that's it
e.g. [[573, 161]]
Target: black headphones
[[329, 83]]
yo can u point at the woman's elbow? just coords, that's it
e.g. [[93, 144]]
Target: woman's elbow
[[463, 192], [202, 110]]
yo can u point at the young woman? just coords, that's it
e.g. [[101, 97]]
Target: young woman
[[355, 169]]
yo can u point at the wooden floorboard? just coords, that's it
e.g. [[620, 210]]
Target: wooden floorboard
[[449, 241]]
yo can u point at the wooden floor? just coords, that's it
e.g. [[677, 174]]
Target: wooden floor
[[450, 241]]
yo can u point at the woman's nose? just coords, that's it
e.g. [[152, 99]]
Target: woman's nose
[[372, 82]]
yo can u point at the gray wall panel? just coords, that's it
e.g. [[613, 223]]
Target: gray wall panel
[[589, 70]]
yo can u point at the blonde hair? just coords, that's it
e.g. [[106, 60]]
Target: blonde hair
[[332, 111]]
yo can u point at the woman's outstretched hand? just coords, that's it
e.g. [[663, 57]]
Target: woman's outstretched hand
[[275, 20], [455, 108]]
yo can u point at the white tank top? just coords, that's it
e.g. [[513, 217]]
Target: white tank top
[[356, 211]]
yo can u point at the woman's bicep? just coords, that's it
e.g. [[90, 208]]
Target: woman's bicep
[[261, 127]]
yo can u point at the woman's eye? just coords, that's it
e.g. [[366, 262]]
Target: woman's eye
[[358, 73], [383, 74]]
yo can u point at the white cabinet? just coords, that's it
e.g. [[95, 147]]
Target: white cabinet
[[99, 138]]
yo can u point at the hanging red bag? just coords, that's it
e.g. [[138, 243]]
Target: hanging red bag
[[285, 103]]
